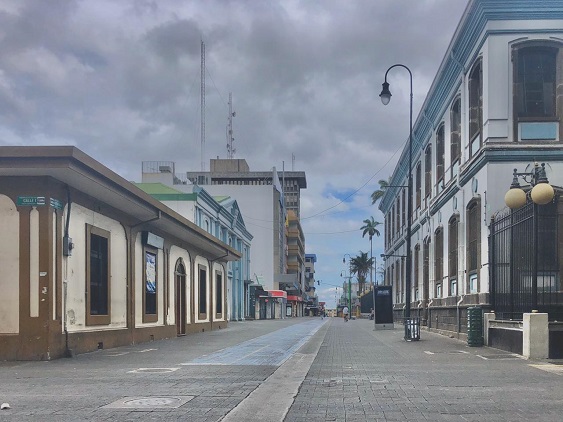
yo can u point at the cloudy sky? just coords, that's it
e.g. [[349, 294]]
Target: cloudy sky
[[121, 81]]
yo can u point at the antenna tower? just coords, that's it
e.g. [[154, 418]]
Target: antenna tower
[[230, 150], [202, 105], [292, 162]]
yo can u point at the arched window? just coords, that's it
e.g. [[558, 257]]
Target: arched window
[[426, 269], [416, 271], [428, 172], [440, 157], [403, 206], [418, 187], [455, 135], [452, 254], [438, 262], [475, 108], [473, 236]]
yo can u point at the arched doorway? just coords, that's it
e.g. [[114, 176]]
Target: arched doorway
[[180, 287]]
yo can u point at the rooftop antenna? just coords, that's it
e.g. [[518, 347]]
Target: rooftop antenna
[[230, 150], [292, 162], [202, 105]]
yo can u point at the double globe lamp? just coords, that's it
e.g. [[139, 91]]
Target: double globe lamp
[[542, 192]]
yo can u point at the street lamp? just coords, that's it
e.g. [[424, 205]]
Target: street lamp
[[542, 192], [385, 98], [349, 279]]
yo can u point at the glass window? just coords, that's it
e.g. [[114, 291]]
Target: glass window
[[98, 276], [440, 157], [150, 286], [218, 293], [474, 239], [439, 258], [202, 292], [452, 246], [455, 136], [418, 184], [535, 82], [428, 171], [475, 108]]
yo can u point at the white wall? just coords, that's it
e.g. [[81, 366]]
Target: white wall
[[74, 269], [257, 209], [10, 261]]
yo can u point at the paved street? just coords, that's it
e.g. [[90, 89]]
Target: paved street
[[304, 369]]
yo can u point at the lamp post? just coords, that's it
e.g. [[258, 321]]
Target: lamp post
[[542, 193], [349, 279], [385, 98]]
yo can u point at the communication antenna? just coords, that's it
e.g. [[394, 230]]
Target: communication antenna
[[202, 106], [292, 162], [230, 149]]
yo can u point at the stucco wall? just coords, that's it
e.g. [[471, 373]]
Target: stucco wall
[[10, 274], [74, 269]]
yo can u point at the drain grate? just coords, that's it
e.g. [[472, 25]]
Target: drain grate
[[149, 403]]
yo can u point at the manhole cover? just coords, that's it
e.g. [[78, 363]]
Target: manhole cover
[[149, 403]]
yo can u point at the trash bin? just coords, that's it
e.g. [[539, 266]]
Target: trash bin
[[412, 329], [474, 326]]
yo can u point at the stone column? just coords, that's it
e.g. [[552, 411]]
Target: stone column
[[535, 336]]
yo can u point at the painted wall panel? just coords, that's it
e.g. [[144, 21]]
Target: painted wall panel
[[34, 263], [10, 261]]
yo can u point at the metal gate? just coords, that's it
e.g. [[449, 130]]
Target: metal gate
[[525, 274]]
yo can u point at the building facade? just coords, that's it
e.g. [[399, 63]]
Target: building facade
[[218, 216], [495, 105], [90, 261]]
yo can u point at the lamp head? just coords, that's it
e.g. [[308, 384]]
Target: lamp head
[[515, 198], [542, 193], [385, 94]]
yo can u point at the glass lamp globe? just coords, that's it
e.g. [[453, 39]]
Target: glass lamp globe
[[515, 198], [542, 193]]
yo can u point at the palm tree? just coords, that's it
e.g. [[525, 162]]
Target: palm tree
[[360, 265], [378, 194], [370, 228]]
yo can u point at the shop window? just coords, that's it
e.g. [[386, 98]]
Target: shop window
[[150, 277]]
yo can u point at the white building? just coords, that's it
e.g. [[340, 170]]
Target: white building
[[495, 105]]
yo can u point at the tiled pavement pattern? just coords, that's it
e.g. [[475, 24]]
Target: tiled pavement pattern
[[362, 375], [357, 375], [148, 382]]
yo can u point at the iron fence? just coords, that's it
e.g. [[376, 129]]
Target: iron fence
[[524, 256]]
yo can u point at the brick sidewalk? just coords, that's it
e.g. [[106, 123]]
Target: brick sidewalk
[[362, 375]]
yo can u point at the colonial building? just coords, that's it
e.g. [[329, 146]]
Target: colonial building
[[218, 216], [89, 261], [495, 105]]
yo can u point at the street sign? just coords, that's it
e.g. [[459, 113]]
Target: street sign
[[55, 203], [31, 201]]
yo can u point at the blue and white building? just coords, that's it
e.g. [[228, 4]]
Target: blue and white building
[[495, 105]]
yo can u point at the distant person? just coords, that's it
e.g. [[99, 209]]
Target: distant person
[[345, 313]]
